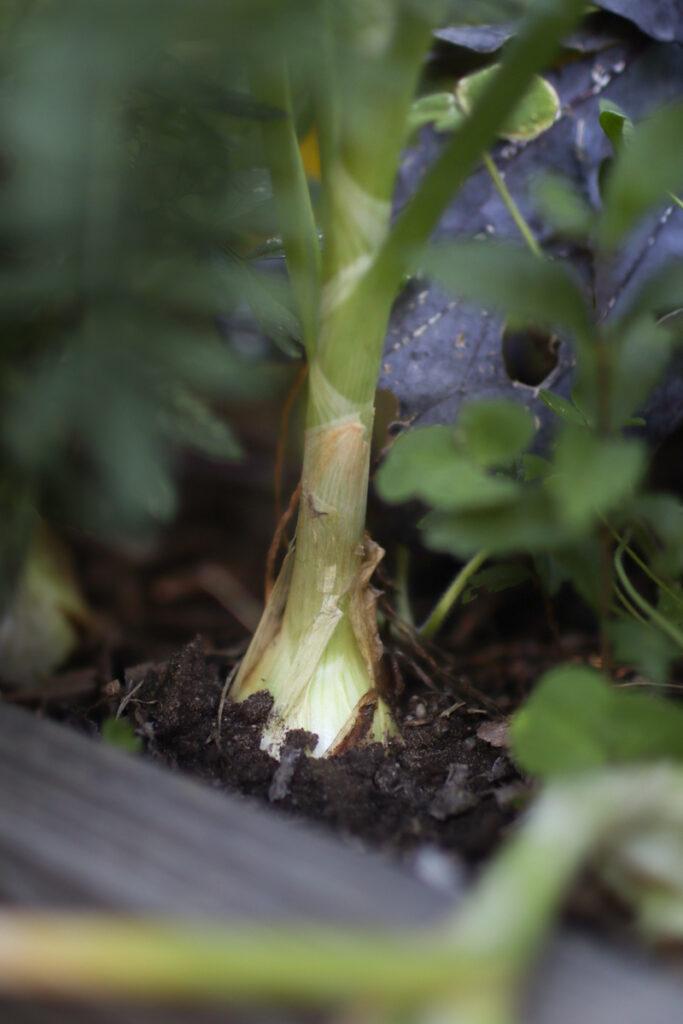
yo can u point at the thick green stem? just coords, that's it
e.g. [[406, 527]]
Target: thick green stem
[[360, 175], [317, 648]]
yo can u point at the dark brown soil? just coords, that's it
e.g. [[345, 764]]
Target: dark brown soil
[[440, 784]]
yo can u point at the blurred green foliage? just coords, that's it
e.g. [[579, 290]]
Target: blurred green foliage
[[575, 721], [585, 503], [132, 199]]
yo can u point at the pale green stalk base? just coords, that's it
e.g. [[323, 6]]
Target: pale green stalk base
[[317, 650], [336, 696]]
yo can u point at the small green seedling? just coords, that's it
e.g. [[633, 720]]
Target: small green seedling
[[120, 733]]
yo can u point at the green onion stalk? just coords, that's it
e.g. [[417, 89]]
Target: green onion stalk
[[317, 648]]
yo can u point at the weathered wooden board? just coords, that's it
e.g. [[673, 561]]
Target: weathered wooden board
[[84, 825]]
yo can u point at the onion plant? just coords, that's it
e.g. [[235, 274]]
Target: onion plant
[[317, 648]]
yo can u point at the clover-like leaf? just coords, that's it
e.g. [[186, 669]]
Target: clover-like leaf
[[120, 733], [535, 113], [642, 351], [495, 578], [593, 474], [528, 522], [428, 464], [561, 407], [563, 206], [663, 513], [509, 277], [494, 433], [575, 721], [617, 126]]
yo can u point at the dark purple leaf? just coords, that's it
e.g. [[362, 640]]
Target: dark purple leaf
[[440, 351], [661, 19], [596, 32], [480, 38]]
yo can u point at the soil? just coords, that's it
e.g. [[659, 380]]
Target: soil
[[441, 797], [447, 786], [447, 782]]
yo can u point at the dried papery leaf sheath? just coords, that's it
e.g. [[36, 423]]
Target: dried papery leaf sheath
[[317, 649]]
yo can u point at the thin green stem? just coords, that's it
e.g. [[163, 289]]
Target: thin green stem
[[293, 198], [665, 625], [403, 606], [635, 557], [444, 605], [630, 608], [606, 585], [511, 206]]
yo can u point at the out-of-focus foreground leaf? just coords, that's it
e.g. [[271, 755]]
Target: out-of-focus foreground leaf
[[131, 195]]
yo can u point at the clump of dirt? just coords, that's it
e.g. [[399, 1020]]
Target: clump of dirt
[[440, 784]]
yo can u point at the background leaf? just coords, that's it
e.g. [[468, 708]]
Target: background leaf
[[494, 433], [592, 476], [509, 278], [440, 350], [534, 114], [661, 19]]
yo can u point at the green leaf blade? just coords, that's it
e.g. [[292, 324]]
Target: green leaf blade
[[643, 174], [533, 290], [575, 721], [495, 432], [593, 474]]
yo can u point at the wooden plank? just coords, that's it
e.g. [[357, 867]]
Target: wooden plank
[[84, 825]]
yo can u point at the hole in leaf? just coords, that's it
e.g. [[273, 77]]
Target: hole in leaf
[[529, 354]]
